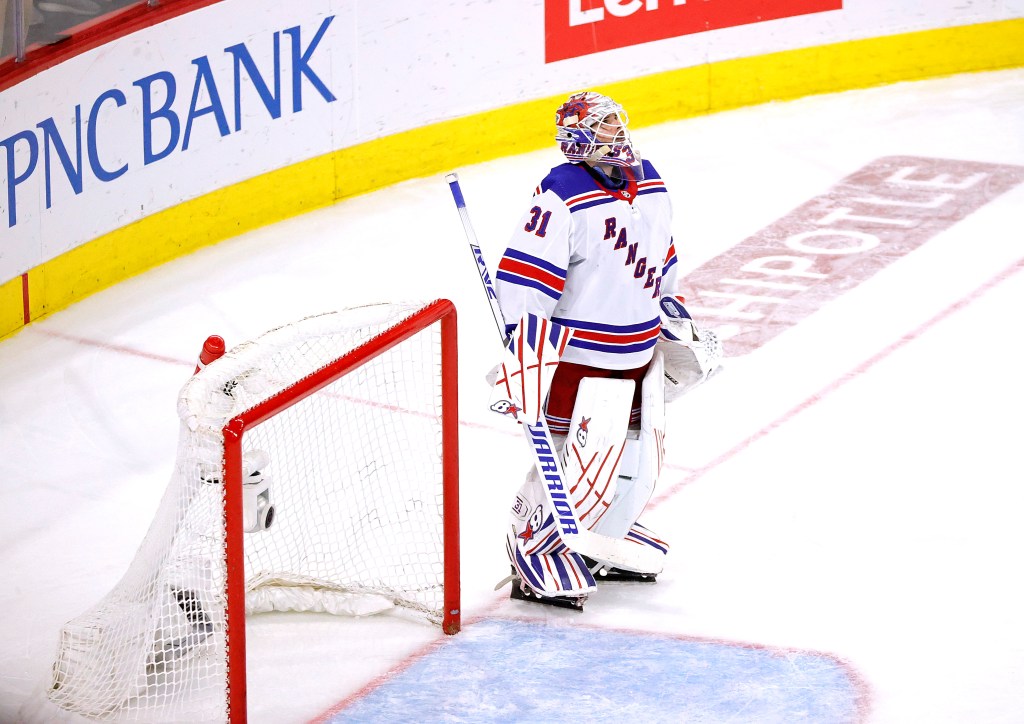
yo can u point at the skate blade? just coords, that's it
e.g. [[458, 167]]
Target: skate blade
[[574, 603], [504, 582], [616, 575], [609, 574]]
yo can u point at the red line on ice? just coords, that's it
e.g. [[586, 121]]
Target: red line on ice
[[836, 384]]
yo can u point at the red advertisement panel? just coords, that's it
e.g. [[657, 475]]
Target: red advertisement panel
[[580, 27]]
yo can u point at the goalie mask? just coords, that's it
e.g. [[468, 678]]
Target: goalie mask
[[592, 129]]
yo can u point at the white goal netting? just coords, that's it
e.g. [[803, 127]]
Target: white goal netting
[[345, 482]]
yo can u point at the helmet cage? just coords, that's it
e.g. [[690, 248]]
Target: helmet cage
[[586, 131]]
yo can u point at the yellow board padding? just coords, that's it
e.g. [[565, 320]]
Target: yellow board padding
[[790, 74], [11, 308], [175, 232], [440, 147]]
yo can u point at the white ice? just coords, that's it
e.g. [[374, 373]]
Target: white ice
[[854, 487]]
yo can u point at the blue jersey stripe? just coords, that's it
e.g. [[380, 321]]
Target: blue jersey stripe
[[591, 204], [610, 328], [612, 348], [536, 261], [527, 282]]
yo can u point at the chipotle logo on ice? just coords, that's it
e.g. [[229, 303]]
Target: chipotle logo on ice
[[579, 27]]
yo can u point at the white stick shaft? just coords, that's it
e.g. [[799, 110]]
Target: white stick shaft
[[478, 257]]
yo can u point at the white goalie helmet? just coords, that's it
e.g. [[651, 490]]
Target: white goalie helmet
[[592, 128]]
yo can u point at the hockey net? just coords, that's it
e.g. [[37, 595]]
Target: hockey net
[[336, 435]]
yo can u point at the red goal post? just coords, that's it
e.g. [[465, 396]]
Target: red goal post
[[336, 439], [442, 311]]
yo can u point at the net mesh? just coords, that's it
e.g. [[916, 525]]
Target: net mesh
[[354, 475]]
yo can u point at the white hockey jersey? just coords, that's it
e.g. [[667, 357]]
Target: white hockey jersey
[[596, 260]]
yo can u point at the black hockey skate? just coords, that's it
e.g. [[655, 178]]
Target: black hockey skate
[[522, 592], [603, 573]]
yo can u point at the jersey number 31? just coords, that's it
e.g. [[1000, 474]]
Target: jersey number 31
[[538, 222]]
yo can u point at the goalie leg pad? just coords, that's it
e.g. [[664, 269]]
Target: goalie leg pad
[[641, 467], [642, 459], [638, 534], [645, 536], [594, 447], [541, 561]]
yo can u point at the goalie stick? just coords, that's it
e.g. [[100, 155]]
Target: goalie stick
[[615, 551]]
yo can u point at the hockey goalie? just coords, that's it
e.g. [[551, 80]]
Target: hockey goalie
[[597, 344]]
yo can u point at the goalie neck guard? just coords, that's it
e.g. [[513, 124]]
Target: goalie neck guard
[[592, 128]]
